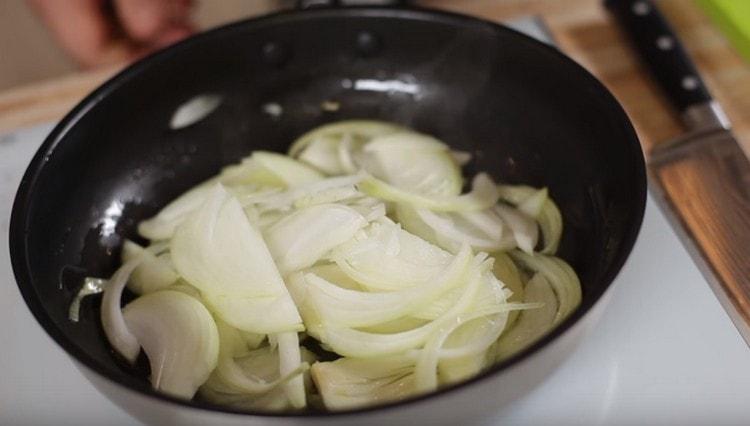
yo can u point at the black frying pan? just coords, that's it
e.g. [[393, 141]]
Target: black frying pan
[[528, 113]]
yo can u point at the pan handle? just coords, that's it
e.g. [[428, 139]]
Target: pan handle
[[659, 47], [307, 4]]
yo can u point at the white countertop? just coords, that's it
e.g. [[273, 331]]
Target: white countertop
[[665, 352]]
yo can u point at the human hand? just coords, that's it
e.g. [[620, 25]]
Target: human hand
[[98, 32]]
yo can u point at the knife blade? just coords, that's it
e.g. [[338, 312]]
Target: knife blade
[[701, 179]]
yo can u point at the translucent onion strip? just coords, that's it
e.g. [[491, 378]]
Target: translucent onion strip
[[348, 341], [90, 287], [121, 339], [290, 361], [561, 277], [154, 272], [359, 309], [384, 257], [180, 338], [348, 383], [483, 195], [426, 377], [523, 228], [531, 324], [219, 252], [549, 217], [362, 129], [303, 237]]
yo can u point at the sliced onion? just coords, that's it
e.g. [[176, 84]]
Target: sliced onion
[[290, 171], [394, 302], [549, 218], [290, 361], [323, 154], [229, 375], [348, 341], [507, 272], [163, 225], [333, 274], [561, 277], [285, 200], [332, 195], [113, 323], [385, 257], [414, 162], [302, 238], [180, 338], [489, 293], [360, 129], [154, 273], [405, 140], [298, 288], [534, 203], [425, 372], [531, 324], [194, 110], [524, 229], [551, 224], [352, 383], [461, 158], [255, 376], [451, 230], [221, 254], [90, 287], [483, 195], [359, 309], [345, 153]]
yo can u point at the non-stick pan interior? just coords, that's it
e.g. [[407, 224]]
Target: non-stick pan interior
[[526, 113]]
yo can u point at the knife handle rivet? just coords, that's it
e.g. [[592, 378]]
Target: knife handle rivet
[[689, 82], [641, 8], [665, 42]]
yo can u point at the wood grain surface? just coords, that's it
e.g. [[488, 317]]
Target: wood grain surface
[[706, 183], [47, 101]]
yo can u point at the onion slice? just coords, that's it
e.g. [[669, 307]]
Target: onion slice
[[219, 252], [384, 257], [527, 199], [348, 341], [560, 276], [524, 229], [90, 287], [359, 129], [531, 324], [351, 382], [154, 272], [483, 195], [179, 337], [290, 361], [113, 323], [302, 238], [353, 308]]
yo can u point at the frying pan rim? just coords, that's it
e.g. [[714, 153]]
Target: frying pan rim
[[20, 259]]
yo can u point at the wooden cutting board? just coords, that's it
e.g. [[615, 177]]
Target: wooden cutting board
[[582, 29], [585, 32]]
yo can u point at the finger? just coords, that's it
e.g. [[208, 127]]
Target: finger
[[172, 35], [144, 20], [167, 38], [81, 29]]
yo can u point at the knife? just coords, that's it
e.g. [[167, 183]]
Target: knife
[[701, 179]]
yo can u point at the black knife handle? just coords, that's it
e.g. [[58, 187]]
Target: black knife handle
[[659, 47]]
